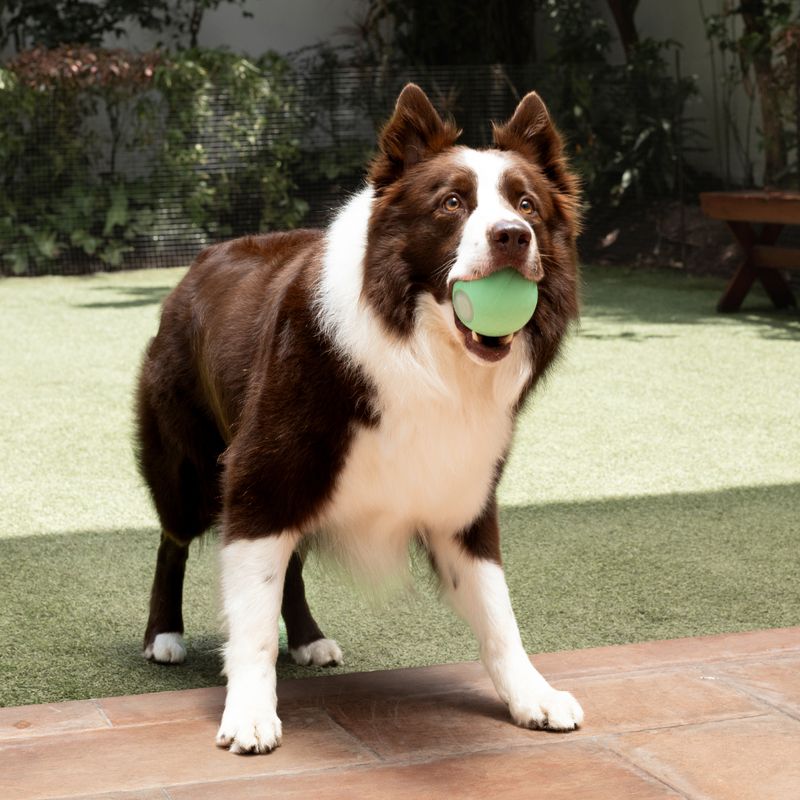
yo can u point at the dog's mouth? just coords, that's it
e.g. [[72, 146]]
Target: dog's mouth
[[488, 348]]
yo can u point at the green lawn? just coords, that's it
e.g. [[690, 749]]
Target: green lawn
[[653, 491]]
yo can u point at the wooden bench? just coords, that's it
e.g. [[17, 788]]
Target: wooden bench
[[762, 257]]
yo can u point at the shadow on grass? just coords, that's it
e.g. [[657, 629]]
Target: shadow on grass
[[130, 296], [622, 296], [581, 575]]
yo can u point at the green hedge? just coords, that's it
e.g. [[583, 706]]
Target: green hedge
[[70, 117]]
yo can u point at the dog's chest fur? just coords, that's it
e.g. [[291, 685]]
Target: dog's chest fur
[[429, 466]]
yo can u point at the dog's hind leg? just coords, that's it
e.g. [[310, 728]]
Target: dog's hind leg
[[163, 638], [179, 459], [307, 643]]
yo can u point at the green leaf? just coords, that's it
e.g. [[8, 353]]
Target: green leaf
[[113, 253], [46, 243], [19, 260], [117, 213], [85, 241]]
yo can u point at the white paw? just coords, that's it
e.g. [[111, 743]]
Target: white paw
[[551, 710], [245, 729], [321, 653], [166, 648]]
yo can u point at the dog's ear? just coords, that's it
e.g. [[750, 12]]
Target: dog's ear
[[531, 133], [414, 132]]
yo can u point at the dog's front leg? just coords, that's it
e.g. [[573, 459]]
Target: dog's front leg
[[469, 569], [252, 574]]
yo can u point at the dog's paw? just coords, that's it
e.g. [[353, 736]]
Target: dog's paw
[[321, 653], [245, 730], [551, 710], [166, 648]]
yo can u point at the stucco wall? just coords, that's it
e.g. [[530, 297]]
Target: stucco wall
[[280, 25], [682, 21]]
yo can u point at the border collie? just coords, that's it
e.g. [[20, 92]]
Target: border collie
[[317, 386]]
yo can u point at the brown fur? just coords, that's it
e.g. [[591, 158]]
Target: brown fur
[[240, 318]]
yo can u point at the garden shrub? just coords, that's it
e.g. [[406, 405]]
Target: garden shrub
[[625, 124], [101, 147]]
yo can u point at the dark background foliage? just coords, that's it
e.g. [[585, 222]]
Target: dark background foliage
[[110, 158]]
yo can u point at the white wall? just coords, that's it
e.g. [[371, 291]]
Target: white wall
[[280, 25], [682, 21]]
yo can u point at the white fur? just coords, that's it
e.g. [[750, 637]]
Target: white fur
[[321, 653], [474, 249], [166, 648], [445, 421], [252, 574], [477, 591]]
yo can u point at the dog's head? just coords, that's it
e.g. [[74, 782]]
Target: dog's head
[[443, 213]]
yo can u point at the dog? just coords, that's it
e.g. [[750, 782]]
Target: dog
[[316, 386]]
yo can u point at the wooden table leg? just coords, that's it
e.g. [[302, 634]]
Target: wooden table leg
[[776, 286], [744, 277], [740, 284]]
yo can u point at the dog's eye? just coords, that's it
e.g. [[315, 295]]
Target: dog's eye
[[526, 206], [452, 202]]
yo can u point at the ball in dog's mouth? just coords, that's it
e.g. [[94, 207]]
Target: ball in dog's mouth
[[489, 348], [490, 311]]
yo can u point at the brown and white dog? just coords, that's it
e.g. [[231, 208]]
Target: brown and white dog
[[316, 385]]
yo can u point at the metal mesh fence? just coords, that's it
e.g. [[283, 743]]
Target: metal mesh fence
[[344, 111], [333, 117]]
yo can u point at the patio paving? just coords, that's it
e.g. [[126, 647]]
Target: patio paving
[[712, 717]]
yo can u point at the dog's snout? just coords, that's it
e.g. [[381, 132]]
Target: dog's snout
[[511, 238]]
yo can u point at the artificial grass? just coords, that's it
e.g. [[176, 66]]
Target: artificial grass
[[653, 491]]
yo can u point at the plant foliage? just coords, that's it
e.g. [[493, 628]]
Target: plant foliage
[[757, 45], [51, 23], [70, 116], [625, 124]]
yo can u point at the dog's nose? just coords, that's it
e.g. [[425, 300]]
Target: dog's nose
[[510, 238]]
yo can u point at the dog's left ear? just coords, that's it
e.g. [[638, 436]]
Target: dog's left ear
[[414, 132], [531, 133]]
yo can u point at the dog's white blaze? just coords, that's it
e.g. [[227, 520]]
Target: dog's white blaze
[[252, 575], [473, 250], [477, 590], [445, 421]]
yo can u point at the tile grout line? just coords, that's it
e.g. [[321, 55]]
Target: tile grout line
[[392, 760], [641, 769], [741, 717], [604, 672], [754, 694], [601, 742], [352, 737], [102, 712], [429, 758]]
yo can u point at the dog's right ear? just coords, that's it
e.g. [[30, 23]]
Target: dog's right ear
[[414, 133], [531, 132]]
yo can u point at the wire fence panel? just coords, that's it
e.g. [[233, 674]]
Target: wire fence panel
[[164, 213]]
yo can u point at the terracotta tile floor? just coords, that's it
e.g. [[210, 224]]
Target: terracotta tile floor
[[715, 717]]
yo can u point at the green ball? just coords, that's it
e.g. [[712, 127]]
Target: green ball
[[497, 305]]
